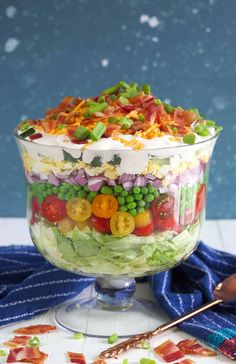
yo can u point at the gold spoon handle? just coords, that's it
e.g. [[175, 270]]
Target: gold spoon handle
[[138, 339]]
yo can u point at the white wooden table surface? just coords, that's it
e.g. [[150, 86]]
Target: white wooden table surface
[[219, 234]]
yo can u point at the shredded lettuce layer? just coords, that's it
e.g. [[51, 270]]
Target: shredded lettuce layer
[[92, 253]]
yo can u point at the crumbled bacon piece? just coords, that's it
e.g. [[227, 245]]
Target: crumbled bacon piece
[[17, 341], [26, 354], [192, 346], [76, 357], [99, 361], [168, 351], [35, 329]]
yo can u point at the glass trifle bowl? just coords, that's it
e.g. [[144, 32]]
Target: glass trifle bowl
[[116, 189]]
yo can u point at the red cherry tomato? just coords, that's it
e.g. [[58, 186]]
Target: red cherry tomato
[[167, 223], [101, 224], [144, 230], [35, 206], [201, 199], [163, 212], [53, 209]]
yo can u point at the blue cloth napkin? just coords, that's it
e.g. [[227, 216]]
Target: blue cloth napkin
[[29, 286]]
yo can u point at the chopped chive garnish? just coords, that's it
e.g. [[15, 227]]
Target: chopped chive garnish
[[130, 92], [27, 133], [125, 361], [3, 353], [113, 339], [158, 101], [81, 133], [34, 341], [98, 131], [168, 108], [146, 345], [123, 100], [147, 361], [189, 139], [210, 122], [24, 125], [112, 120], [146, 89], [78, 336], [125, 122], [114, 89]]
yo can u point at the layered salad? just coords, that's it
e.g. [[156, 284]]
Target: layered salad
[[117, 182]]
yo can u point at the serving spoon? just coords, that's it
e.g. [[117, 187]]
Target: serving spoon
[[225, 291]]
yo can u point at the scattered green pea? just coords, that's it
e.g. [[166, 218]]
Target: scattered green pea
[[133, 212], [131, 205], [3, 353], [149, 198], [136, 190], [93, 194], [147, 361], [151, 189], [129, 199], [140, 210], [78, 336], [113, 339], [138, 197], [121, 200], [144, 190], [81, 194], [118, 189], [124, 193], [34, 341], [123, 208], [86, 189], [106, 190], [77, 188], [141, 203]]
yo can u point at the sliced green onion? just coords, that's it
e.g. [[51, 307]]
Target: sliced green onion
[[24, 125], [141, 117], [146, 345], [34, 341], [96, 107], [3, 353], [124, 84], [168, 108], [147, 361], [130, 92], [146, 89], [101, 99], [125, 122], [113, 339], [125, 361], [158, 101], [78, 336], [174, 129], [202, 130], [218, 128], [98, 131], [189, 139], [27, 133], [123, 100], [81, 133], [210, 122], [194, 110], [112, 120], [61, 126], [111, 90]]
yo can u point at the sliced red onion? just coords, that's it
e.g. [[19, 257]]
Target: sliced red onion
[[111, 182], [157, 183], [78, 180], [173, 188], [125, 177], [151, 176], [128, 185], [29, 177], [74, 173], [140, 181], [163, 189], [99, 114], [95, 183], [53, 179], [62, 176]]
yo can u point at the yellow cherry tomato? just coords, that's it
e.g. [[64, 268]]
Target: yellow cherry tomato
[[122, 224], [104, 206], [65, 225], [78, 209], [143, 218], [82, 224]]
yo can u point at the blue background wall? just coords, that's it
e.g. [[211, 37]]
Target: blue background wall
[[186, 49]]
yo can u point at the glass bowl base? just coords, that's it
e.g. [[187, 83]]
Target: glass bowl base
[[89, 317]]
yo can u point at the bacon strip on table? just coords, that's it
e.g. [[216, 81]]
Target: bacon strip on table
[[168, 351], [17, 341], [76, 357], [26, 354], [35, 329], [192, 346]]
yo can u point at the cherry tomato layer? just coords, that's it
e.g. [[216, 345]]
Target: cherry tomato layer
[[78, 209], [167, 223], [163, 206], [101, 224], [122, 224], [144, 230], [65, 225], [53, 209], [35, 206], [104, 206], [201, 199], [143, 219]]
